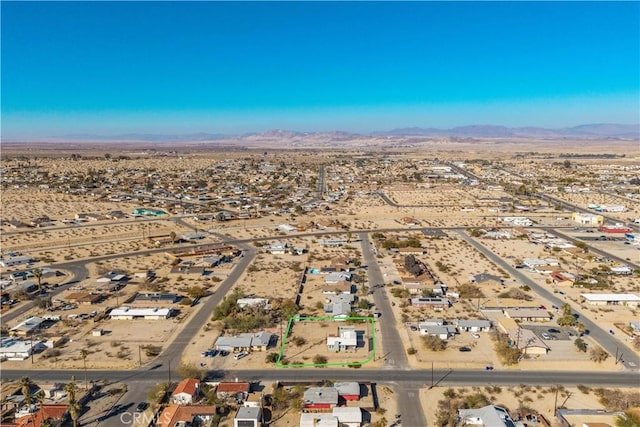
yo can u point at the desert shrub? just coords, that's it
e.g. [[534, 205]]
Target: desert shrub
[[271, 358], [434, 343], [507, 354], [411, 351], [319, 359], [581, 345], [598, 354], [469, 290]]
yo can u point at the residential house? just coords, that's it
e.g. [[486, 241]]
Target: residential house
[[562, 278], [186, 415], [486, 279], [337, 277], [17, 349], [248, 417], [247, 341], [186, 392], [629, 300], [320, 398], [131, 313], [85, 298], [473, 325], [338, 288], [314, 419], [346, 340], [506, 324], [53, 414], [348, 416], [28, 327], [488, 416], [238, 390], [444, 332], [15, 261], [527, 341], [348, 391], [435, 303], [278, 248], [527, 314]]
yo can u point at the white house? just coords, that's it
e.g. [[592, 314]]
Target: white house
[[15, 260], [128, 313], [253, 302], [444, 332], [287, 228], [248, 417], [489, 415], [17, 349], [186, 392], [473, 325], [630, 300], [347, 339]]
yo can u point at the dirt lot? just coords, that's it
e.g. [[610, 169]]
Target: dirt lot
[[521, 399]]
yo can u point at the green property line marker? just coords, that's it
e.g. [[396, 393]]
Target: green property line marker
[[358, 319]]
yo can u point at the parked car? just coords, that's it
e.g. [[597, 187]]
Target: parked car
[[465, 349], [546, 336], [240, 355], [141, 406], [475, 335]]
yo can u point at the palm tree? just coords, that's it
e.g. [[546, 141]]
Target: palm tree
[[629, 419], [40, 396], [84, 353], [74, 412], [25, 385], [70, 389]]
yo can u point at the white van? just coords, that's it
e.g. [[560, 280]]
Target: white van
[[240, 355]]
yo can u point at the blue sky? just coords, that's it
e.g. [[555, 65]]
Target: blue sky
[[174, 67]]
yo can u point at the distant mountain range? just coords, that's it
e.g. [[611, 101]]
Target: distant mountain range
[[587, 131], [601, 130]]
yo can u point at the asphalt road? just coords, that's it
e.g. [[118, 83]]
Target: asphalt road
[[607, 341], [577, 208], [414, 378], [596, 250], [394, 352]]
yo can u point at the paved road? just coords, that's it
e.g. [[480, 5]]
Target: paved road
[[602, 337], [417, 377], [595, 250], [78, 271], [607, 218], [394, 352]]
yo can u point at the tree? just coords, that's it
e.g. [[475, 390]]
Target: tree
[[71, 390], [172, 236], [25, 387], [73, 406], [582, 346], [628, 419], [37, 273], [74, 409], [84, 353]]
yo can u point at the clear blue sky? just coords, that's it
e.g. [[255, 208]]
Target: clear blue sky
[[174, 67]]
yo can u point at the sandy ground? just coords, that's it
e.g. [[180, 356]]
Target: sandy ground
[[540, 399]]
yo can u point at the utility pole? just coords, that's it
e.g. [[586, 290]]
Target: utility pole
[[555, 402], [169, 372], [431, 374]]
